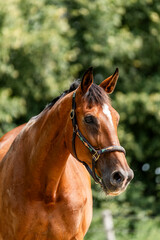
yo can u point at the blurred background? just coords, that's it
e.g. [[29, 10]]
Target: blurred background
[[46, 44]]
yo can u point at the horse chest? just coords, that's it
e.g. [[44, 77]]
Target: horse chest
[[59, 222], [64, 220], [74, 212]]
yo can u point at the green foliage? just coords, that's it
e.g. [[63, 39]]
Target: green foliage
[[147, 230], [130, 221], [35, 52], [140, 119], [10, 108], [96, 231]]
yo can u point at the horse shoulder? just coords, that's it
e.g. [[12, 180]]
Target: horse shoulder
[[70, 215], [76, 195]]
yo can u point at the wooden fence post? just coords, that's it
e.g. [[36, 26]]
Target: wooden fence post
[[108, 225]]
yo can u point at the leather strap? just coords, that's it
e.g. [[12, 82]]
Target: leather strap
[[95, 153]]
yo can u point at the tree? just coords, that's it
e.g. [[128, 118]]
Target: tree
[[34, 59]]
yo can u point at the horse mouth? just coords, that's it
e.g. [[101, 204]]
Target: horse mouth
[[112, 192]]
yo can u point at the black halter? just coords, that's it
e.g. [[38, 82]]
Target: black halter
[[95, 153]]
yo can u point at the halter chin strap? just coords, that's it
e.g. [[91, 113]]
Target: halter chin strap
[[94, 152]]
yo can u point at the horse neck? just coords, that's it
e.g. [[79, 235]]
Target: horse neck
[[48, 151]]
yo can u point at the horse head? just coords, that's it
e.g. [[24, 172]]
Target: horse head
[[95, 123]]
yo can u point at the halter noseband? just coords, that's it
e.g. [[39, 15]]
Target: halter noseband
[[95, 153]]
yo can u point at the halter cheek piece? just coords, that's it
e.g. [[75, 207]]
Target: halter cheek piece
[[95, 153]]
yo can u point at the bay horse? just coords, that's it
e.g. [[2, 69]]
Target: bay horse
[[45, 168]]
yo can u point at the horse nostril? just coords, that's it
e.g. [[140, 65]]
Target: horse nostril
[[117, 178]]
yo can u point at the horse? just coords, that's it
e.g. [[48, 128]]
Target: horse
[[45, 168]]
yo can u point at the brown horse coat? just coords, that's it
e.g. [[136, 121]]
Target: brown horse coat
[[44, 192]]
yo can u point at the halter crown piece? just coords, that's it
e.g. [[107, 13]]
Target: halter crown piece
[[94, 152]]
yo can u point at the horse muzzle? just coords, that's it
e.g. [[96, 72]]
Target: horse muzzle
[[117, 181]]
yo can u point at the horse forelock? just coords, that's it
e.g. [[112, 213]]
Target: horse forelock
[[96, 96]]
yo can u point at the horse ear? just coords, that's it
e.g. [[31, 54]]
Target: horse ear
[[109, 84], [87, 80]]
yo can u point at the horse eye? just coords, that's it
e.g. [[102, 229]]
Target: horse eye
[[89, 119]]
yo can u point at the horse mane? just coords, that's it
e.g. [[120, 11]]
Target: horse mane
[[94, 96], [73, 87]]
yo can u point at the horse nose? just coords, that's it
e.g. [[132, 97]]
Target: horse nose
[[130, 175], [118, 178]]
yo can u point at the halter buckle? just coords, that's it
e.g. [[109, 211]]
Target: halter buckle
[[96, 156], [72, 114]]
